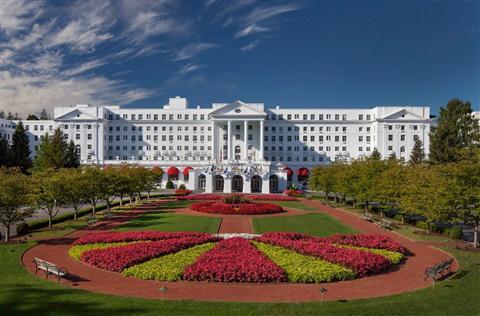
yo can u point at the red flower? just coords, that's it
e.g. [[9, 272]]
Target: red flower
[[234, 260], [109, 237], [236, 209]]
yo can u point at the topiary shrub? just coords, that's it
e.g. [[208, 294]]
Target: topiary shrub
[[22, 228], [455, 232], [182, 187], [236, 198], [422, 225], [169, 185]]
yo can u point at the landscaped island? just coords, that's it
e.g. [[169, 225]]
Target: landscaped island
[[271, 257]]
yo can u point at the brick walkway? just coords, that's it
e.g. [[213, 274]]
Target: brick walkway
[[404, 278]]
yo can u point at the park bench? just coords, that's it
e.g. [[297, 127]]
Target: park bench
[[91, 220], [385, 224], [50, 268], [437, 271], [368, 217]]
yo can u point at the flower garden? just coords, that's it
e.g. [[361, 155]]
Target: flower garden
[[268, 258], [256, 197]]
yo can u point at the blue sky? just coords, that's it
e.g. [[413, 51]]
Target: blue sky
[[331, 54]]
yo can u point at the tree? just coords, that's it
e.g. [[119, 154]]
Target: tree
[[52, 151], [93, 187], [2, 114], [376, 154], [417, 155], [48, 193], [389, 188], [44, 115], [20, 149], [108, 188], [5, 153], [13, 191], [71, 156], [10, 116], [322, 180], [369, 171], [457, 129], [76, 193], [32, 117]]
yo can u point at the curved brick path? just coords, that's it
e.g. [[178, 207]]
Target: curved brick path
[[405, 278]]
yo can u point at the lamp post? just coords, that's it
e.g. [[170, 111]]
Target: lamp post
[[322, 292]]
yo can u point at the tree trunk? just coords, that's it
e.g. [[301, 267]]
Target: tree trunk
[[94, 207], [75, 211], [366, 206], [49, 221], [7, 233], [130, 197], [121, 200], [148, 196], [475, 236]]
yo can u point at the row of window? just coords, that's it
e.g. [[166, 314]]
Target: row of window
[[155, 147], [316, 117], [157, 158], [162, 128], [171, 138], [156, 117]]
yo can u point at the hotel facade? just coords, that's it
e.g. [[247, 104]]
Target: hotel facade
[[232, 147]]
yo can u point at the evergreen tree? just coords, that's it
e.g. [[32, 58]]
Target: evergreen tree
[[44, 115], [32, 117], [9, 116], [2, 114], [5, 159], [17, 117], [71, 157], [376, 154], [418, 154], [20, 149], [457, 129], [52, 151]]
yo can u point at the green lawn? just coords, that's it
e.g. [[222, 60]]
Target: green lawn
[[24, 294], [169, 221], [318, 224], [293, 204]]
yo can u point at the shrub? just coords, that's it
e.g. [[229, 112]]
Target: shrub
[[182, 192], [22, 228], [169, 185], [234, 260], [119, 258], [236, 209], [304, 269], [182, 187], [455, 232], [235, 198], [169, 267], [422, 225], [361, 262], [111, 237]]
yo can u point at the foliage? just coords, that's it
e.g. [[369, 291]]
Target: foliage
[[236, 209], [13, 189], [366, 241], [22, 228], [76, 251], [169, 267], [119, 258], [51, 151], [457, 129], [182, 192], [304, 269], [235, 198], [20, 149], [418, 153], [113, 237], [169, 185], [72, 158], [234, 260]]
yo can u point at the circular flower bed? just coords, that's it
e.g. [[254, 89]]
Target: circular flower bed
[[236, 209], [271, 257]]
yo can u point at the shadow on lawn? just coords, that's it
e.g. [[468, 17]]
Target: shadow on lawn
[[28, 300]]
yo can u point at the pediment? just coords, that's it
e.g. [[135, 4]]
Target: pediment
[[236, 109], [76, 115], [402, 115]]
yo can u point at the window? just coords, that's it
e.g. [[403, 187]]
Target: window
[[390, 137], [360, 117]]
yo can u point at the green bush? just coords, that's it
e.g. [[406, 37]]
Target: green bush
[[398, 217], [169, 185], [182, 187], [304, 269], [22, 228], [455, 232], [422, 225], [169, 267]]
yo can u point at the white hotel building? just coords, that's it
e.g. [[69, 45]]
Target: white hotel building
[[232, 146]]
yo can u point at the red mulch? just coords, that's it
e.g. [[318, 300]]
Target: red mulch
[[404, 278]]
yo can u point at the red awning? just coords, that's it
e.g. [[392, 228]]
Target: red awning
[[303, 172], [187, 170], [172, 171], [288, 170]]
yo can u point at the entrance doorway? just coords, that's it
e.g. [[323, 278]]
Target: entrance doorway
[[237, 184], [219, 183], [256, 184], [201, 182], [273, 180]]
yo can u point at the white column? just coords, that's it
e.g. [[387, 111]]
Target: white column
[[245, 136], [214, 144], [229, 140], [261, 142]]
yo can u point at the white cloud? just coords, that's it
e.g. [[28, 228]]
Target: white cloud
[[17, 15], [263, 13], [191, 50], [251, 29], [189, 68], [250, 46]]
